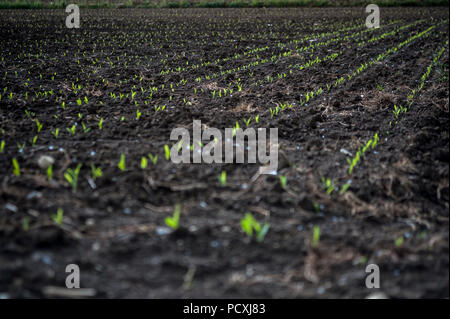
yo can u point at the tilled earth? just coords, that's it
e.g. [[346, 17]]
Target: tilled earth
[[394, 212]]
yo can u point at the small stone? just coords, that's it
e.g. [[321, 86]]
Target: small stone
[[162, 231], [11, 207], [344, 151], [45, 161]]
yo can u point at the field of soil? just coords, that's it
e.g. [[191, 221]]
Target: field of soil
[[363, 175]]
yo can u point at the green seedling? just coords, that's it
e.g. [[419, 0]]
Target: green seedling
[[100, 123], [396, 111], [153, 158], [34, 140], [58, 217], [16, 167], [375, 140], [250, 225], [345, 187], [316, 236], [2, 146], [56, 133], [96, 172], [85, 128], [50, 172], [38, 125], [399, 241], [328, 185], [138, 114], [26, 224], [223, 178], [144, 162], [121, 164], [72, 130], [316, 208], [20, 146], [283, 180], [167, 152], [71, 176], [174, 221]]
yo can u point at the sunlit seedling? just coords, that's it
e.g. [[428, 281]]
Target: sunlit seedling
[[316, 236], [34, 140], [38, 125], [71, 175], [174, 221], [50, 172], [58, 217], [328, 185], [121, 164], [16, 167], [85, 128], [345, 187], [167, 152], [96, 172], [72, 130], [144, 162], [399, 241], [250, 226], [223, 178], [56, 133], [153, 158], [283, 180]]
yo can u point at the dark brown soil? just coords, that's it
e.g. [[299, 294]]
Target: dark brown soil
[[394, 214]]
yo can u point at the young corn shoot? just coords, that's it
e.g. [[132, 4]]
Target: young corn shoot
[[50, 172], [223, 178], [167, 152], [345, 187], [16, 167], [316, 236], [71, 176], [72, 130], [251, 226], [328, 185], [174, 221], [56, 133], [121, 164], [58, 217], [144, 162], [96, 172], [283, 181], [153, 158]]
